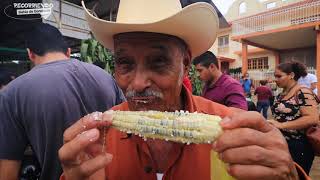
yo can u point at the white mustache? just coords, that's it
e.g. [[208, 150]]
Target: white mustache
[[146, 93]]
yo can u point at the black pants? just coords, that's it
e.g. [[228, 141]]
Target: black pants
[[302, 153]]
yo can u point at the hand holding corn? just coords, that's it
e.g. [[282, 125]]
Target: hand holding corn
[[179, 126], [253, 148]]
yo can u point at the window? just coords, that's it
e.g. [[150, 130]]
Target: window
[[223, 41], [242, 8], [271, 5], [258, 63]]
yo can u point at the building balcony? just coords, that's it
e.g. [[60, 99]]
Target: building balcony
[[223, 50], [295, 14]]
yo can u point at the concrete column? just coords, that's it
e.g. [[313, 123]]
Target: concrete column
[[318, 58], [277, 58], [244, 58]]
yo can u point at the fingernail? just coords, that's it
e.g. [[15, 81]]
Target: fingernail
[[225, 121], [107, 116], [97, 116]]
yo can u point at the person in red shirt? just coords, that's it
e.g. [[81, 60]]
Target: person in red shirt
[[264, 94], [187, 83], [150, 64]]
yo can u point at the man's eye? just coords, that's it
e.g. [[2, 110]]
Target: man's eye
[[122, 61], [159, 62], [124, 65]]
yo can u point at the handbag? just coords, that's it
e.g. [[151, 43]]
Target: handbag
[[313, 132]]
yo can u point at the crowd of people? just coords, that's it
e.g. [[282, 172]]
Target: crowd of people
[[53, 108]]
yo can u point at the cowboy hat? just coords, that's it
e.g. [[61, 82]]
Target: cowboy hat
[[196, 24]]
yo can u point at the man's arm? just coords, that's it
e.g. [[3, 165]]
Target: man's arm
[[9, 169], [313, 82], [235, 97], [13, 141]]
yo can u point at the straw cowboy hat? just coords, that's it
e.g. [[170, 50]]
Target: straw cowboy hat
[[196, 24]]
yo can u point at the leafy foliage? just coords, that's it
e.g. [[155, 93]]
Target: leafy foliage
[[93, 52], [197, 84]]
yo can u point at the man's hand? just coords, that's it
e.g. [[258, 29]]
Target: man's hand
[[275, 123], [81, 155], [254, 149]]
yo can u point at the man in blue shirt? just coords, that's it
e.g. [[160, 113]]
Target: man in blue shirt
[[38, 106], [246, 84]]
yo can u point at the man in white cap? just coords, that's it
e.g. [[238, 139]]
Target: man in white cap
[[154, 42]]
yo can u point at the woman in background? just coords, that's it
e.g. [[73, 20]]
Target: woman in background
[[295, 110]]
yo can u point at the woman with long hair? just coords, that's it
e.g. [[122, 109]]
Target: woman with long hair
[[295, 110]]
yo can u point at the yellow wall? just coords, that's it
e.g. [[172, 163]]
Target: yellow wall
[[253, 7], [236, 47]]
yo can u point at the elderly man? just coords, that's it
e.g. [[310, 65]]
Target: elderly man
[[154, 42]]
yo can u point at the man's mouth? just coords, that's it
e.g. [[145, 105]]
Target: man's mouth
[[142, 100]]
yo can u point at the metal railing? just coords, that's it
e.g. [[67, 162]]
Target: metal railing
[[266, 74], [223, 50], [304, 12]]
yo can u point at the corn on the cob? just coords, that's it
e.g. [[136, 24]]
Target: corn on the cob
[[176, 126]]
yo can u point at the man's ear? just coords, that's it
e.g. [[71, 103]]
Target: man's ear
[[187, 62], [68, 53], [31, 55], [213, 67]]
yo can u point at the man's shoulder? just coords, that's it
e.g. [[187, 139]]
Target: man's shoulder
[[121, 107], [231, 83], [206, 106], [229, 79]]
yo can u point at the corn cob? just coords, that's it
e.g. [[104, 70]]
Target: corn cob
[[176, 126]]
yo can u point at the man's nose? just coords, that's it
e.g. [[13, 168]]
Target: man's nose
[[141, 81]]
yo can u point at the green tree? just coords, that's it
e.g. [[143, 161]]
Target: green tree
[[93, 52]]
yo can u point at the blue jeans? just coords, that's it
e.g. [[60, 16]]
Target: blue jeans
[[263, 105]]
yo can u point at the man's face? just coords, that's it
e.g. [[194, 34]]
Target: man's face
[[246, 76], [149, 68], [204, 73]]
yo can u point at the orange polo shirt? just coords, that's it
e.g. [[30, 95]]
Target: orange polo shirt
[[132, 159]]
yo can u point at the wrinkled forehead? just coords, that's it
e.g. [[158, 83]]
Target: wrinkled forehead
[[148, 38]]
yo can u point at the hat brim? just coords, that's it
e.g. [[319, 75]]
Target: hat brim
[[196, 24]]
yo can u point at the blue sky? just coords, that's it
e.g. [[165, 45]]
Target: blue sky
[[223, 5]]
